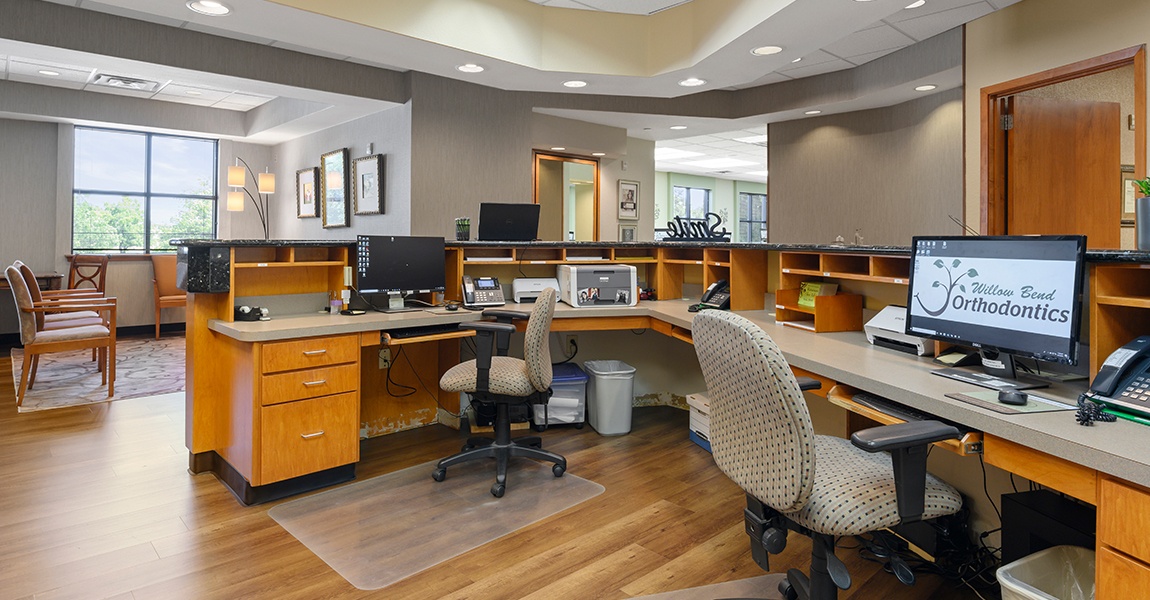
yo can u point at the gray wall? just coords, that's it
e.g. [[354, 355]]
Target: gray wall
[[892, 172]]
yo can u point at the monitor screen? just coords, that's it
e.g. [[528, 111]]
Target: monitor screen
[[508, 222], [392, 263], [1020, 295]]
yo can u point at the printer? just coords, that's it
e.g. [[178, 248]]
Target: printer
[[888, 329], [598, 285], [527, 289]]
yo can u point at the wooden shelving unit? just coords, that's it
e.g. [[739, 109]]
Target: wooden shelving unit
[[840, 312], [843, 311], [1119, 308]]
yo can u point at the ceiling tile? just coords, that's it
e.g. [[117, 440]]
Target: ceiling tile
[[931, 7], [247, 100], [932, 25], [819, 69], [882, 37], [633, 7], [27, 71], [865, 58], [186, 94], [103, 89], [814, 58], [225, 105]]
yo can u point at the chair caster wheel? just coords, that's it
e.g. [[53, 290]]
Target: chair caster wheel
[[558, 470], [439, 474], [578, 426], [498, 489], [787, 591], [539, 427]]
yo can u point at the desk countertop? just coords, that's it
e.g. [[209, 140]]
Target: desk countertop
[[1121, 449]]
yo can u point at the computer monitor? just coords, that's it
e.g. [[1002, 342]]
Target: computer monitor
[[395, 265], [508, 222], [1005, 295]]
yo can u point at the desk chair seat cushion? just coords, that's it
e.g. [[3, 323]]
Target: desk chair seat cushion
[[854, 492], [508, 377]]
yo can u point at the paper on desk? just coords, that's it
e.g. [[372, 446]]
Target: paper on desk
[[1035, 403]]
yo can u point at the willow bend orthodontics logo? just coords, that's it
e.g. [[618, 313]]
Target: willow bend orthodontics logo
[[997, 294]]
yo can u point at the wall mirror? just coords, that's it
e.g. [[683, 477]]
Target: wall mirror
[[567, 192]]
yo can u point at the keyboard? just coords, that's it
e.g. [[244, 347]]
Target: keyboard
[[410, 332], [900, 411]]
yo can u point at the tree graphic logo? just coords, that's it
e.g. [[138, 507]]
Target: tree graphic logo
[[952, 282]]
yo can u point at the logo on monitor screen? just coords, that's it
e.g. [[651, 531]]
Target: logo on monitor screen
[[952, 282]]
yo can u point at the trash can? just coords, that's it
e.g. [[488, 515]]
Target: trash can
[[568, 397], [1058, 573], [609, 395]]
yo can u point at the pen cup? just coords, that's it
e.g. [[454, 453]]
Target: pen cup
[[462, 229], [335, 307]]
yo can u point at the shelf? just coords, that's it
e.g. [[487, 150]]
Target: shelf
[[840, 312], [682, 262], [273, 265], [1132, 302]]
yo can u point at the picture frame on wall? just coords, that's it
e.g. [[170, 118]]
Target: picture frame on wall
[[1129, 193], [628, 200], [628, 233], [306, 184], [334, 185], [367, 184]]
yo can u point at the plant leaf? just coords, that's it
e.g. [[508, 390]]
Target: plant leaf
[[956, 263], [972, 273], [963, 288], [938, 263], [935, 284]]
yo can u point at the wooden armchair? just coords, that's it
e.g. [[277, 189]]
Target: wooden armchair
[[88, 271], [167, 295], [37, 340]]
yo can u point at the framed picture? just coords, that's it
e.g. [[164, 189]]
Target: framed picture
[[627, 233], [334, 187], [1129, 193], [306, 181], [367, 184], [628, 200]]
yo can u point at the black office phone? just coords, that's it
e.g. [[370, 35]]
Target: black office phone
[[1124, 379], [482, 291], [718, 295]]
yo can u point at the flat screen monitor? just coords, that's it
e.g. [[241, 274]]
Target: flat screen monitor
[[1005, 295], [508, 222], [393, 264]]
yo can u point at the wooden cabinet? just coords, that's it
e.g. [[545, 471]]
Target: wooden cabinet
[[1123, 558], [1119, 307], [843, 311]]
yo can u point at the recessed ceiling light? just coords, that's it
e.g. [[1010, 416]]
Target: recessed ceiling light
[[210, 8], [813, 112], [598, 154], [575, 83], [194, 93], [797, 59], [470, 68], [558, 148], [925, 88], [692, 82], [48, 73], [678, 127], [916, 4], [766, 50]]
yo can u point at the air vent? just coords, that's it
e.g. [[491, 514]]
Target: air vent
[[126, 83]]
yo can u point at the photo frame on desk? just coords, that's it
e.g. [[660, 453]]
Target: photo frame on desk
[[334, 187], [367, 187], [1129, 193], [306, 182], [628, 200]]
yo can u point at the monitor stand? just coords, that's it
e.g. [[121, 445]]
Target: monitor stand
[[395, 304], [999, 373]]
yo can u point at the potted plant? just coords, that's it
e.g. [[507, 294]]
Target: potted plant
[[1142, 214]]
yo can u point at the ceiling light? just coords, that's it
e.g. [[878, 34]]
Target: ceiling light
[[194, 93], [598, 154], [797, 59], [470, 68], [558, 148], [575, 83], [925, 88], [813, 112], [678, 127], [916, 4], [210, 8], [692, 82], [48, 73], [766, 50]]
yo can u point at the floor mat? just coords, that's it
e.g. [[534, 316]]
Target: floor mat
[[378, 531]]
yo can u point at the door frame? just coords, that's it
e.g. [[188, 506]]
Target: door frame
[[583, 160], [993, 139]]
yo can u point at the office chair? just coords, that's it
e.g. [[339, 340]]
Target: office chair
[[819, 486], [496, 379]]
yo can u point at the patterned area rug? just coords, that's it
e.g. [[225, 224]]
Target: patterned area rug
[[144, 367]]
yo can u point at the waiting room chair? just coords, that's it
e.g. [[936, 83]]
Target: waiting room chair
[[88, 271], [36, 341], [820, 486], [495, 379], [58, 320], [167, 295]]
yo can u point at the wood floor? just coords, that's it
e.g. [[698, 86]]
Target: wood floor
[[96, 502]]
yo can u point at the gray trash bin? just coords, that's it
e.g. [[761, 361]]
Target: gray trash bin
[[609, 395], [1058, 573]]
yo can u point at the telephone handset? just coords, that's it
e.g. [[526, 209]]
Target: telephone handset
[[718, 295], [482, 291], [1124, 379]]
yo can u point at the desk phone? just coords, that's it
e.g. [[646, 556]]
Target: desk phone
[[482, 291], [1124, 379]]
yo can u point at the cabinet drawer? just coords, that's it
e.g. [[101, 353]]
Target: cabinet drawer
[[1117, 577], [309, 353], [297, 438], [1124, 518], [309, 383]]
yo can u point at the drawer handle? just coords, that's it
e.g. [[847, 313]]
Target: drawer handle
[[311, 383], [314, 352], [308, 436]]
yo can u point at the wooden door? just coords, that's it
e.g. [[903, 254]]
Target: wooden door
[[1063, 169]]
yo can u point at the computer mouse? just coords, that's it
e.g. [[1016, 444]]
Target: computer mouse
[[1014, 397], [452, 307]]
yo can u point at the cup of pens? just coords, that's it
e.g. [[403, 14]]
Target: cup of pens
[[463, 229]]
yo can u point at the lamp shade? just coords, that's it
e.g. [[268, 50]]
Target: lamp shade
[[236, 201], [236, 177], [267, 183]]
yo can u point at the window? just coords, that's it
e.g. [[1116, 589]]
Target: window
[[692, 204], [134, 191], [752, 217]]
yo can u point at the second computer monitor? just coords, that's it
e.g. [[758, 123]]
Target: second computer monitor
[[508, 222], [395, 264]]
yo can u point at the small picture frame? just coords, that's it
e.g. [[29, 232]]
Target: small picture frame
[[628, 200], [1130, 192], [334, 186], [627, 233], [367, 184], [306, 184]]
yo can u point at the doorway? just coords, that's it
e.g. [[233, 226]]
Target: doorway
[[567, 192]]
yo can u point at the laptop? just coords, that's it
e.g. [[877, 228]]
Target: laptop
[[508, 222]]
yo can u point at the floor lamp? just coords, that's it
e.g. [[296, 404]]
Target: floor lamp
[[265, 187]]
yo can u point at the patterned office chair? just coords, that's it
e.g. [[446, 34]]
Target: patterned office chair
[[502, 381], [820, 486]]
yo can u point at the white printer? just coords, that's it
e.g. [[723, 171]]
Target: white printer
[[598, 285], [527, 289], [888, 329]]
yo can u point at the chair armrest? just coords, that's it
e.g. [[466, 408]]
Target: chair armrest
[[45, 307], [488, 327], [808, 383], [506, 316], [907, 443], [488, 334]]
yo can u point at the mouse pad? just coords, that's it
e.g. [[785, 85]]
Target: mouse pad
[[1035, 403]]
